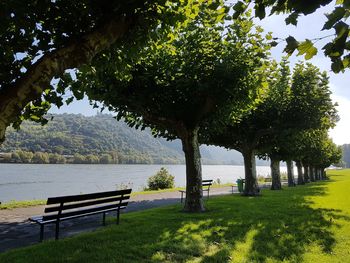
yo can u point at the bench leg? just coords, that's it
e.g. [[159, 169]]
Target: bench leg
[[41, 233], [208, 193], [104, 219], [57, 230], [118, 215]]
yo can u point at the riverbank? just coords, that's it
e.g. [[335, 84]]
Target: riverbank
[[38, 182]]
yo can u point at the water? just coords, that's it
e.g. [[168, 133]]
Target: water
[[36, 181]]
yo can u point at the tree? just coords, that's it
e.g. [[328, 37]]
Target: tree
[[337, 49], [41, 157], [106, 158], [42, 40], [26, 157], [206, 71], [309, 107]]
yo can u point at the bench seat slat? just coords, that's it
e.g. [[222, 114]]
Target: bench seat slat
[[74, 198], [39, 219], [83, 211], [84, 204]]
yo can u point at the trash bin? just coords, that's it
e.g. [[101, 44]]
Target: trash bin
[[240, 185]]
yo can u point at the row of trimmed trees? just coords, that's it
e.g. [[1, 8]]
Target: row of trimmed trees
[[290, 123], [216, 84], [203, 82]]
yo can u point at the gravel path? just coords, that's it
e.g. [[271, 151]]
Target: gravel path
[[16, 231]]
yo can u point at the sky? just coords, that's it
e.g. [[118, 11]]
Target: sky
[[308, 27]]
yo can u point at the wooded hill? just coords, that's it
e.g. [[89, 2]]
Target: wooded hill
[[72, 134]]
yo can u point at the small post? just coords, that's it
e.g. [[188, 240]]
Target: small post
[[118, 216], [57, 229], [41, 233]]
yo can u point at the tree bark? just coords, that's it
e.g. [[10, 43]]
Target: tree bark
[[306, 173], [317, 173], [290, 173], [38, 77], [300, 173], [312, 173], [275, 174], [194, 193], [251, 185]]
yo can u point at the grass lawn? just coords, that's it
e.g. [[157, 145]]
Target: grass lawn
[[26, 203], [308, 223], [17, 204]]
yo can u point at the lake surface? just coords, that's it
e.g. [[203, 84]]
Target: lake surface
[[37, 181]]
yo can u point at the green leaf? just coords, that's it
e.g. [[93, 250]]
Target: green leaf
[[307, 48], [337, 66], [292, 44], [292, 19], [239, 8], [334, 17], [260, 10], [273, 43]]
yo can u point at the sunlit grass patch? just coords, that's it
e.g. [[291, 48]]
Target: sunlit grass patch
[[308, 223], [17, 204]]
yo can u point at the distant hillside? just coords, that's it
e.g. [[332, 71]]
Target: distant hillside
[[69, 134]]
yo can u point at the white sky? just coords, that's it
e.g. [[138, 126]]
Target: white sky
[[308, 27]]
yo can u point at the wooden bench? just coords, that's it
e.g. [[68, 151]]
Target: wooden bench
[[73, 206], [205, 188]]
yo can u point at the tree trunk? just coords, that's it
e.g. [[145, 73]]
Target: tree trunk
[[300, 173], [251, 185], [306, 174], [194, 193], [275, 174], [323, 174], [312, 173], [290, 172], [317, 173]]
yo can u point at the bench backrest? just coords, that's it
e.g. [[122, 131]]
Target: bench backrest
[[74, 205], [207, 183]]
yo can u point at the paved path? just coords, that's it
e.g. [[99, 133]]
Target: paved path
[[17, 231]]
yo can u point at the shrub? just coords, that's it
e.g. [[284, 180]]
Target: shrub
[[161, 180]]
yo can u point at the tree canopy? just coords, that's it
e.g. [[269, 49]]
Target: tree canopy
[[205, 72], [41, 40]]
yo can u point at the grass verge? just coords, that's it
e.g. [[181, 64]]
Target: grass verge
[[26, 203], [17, 204], [308, 223]]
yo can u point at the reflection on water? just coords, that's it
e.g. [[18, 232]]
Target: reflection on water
[[36, 181]]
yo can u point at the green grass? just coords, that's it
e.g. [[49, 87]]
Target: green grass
[[145, 192], [308, 223], [17, 204]]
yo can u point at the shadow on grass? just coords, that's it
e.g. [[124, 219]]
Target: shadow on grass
[[280, 225]]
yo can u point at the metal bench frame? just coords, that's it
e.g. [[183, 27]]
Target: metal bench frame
[[205, 183]]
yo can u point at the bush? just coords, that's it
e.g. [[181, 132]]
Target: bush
[[161, 180]]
